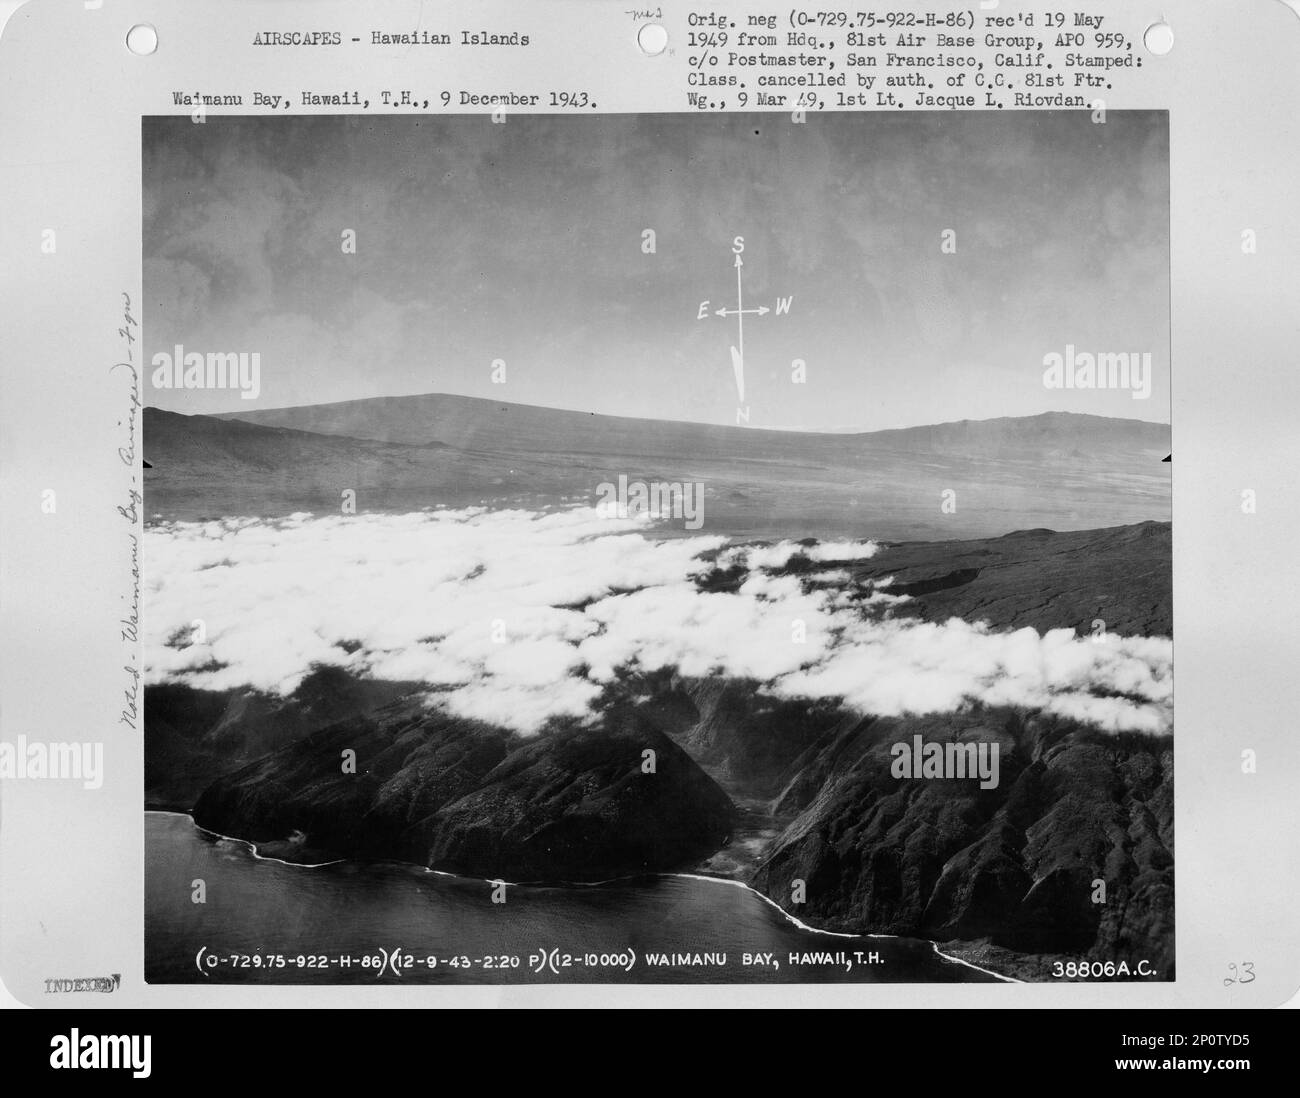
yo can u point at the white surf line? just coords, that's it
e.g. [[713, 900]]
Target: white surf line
[[773, 904], [839, 933], [987, 972], [615, 880], [252, 847], [480, 880]]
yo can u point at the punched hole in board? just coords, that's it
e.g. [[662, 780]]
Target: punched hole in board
[[142, 40], [1158, 38], [653, 39]]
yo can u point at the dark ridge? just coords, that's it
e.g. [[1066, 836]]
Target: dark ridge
[[938, 583]]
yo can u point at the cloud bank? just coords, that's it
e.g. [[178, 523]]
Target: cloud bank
[[518, 617]]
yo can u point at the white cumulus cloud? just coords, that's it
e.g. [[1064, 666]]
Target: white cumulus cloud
[[517, 617]]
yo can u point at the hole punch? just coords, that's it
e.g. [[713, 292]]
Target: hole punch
[[1159, 38], [142, 40], [653, 39]]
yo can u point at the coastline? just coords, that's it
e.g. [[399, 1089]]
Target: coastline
[[301, 864]]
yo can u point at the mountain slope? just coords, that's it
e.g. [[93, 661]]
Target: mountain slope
[[576, 804], [1017, 865], [958, 480], [474, 423]]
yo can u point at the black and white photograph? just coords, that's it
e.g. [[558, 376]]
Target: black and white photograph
[[657, 548]]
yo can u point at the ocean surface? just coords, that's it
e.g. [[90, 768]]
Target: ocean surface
[[268, 922]]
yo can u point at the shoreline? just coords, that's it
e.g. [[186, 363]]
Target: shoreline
[[252, 848]]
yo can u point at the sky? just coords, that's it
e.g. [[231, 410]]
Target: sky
[[522, 243]]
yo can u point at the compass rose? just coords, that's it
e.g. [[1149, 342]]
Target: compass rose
[[740, 312]]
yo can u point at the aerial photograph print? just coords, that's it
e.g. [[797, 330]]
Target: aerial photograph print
[[657, 548]]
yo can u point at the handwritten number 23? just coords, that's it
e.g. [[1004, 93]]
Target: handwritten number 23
[[1245, 976]]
